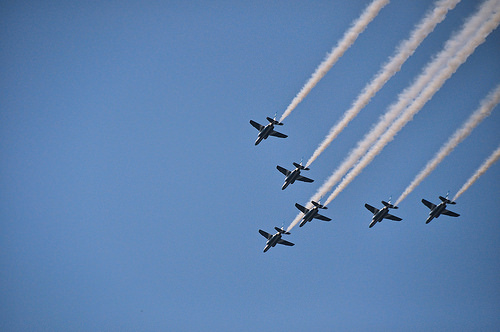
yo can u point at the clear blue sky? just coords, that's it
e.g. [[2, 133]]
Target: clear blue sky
[[132, 193]]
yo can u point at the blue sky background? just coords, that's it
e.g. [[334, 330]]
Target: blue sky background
[[132, 192]]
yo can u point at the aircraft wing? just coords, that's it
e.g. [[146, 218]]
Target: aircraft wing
[[264, 234], [371, 208], [283, 170], [301, 208], [390, 216], [450, 213], [280, 135], [320, 217], [286, 243], [257, 126], [428, 204], [303, 178]]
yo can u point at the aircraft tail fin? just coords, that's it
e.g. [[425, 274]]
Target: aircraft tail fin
[[389, 205], [274, 122], [300, 166], [446, 200], [281, 230], [318, 205]]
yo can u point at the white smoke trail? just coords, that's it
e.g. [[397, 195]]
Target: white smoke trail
[[480, 171], [348, 39], [417, 105], [487, 106], [451, 48], [403, 52]]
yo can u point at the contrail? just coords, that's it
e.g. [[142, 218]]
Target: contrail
[[485, 109], [349, 38], [417, 105], [481, 170], [403, 52], [452, 47]]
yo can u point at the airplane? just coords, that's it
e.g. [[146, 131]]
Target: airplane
[[437, 210], [383, 213], [292, 176], [266, 131], [272, 240], [310, 214]]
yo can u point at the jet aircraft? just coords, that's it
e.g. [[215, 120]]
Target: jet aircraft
[[266, 131], [383, 213], [272, 240], [437, 210], [310, 214], [292, 176]]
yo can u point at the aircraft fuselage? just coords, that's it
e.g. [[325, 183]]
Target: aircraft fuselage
[[309, 216], [272, 241], [290, 178], [436, 212], [264, 133], [377, 217]]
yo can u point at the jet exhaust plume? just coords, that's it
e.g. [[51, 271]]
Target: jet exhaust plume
[[485, 109], [295, 221], [343, 45], [480, 171], [451, 47], [461, 42], [402, 53], [417, 105]]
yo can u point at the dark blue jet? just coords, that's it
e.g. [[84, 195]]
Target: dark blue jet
[[265, 132], [272, 240], [379, 215], [437, 210], [292, 176], [310, 214]]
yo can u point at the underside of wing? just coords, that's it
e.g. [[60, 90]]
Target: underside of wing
[[428, 204], [257, 126], [277, 134], [286, 243], [371, 208], [320, 217], [304, 179], [283, 170], [391, 217], [450, 213], [264, 234], [301, 208]]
